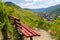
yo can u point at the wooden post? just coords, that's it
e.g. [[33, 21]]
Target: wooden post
[[31, 38]]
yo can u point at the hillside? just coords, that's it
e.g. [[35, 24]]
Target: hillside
[[39, 10], [12, 4]]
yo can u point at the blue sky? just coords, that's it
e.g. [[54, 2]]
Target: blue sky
[[33, 4]]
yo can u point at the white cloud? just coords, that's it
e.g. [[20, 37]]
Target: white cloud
[[6, 0], [37, 0], [28, 0], [57, 0], [33, 0], [26, 5]]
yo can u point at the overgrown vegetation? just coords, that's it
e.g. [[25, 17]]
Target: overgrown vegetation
[[31, 19]]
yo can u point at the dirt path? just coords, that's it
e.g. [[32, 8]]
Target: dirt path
[[1, 36], [44, 35]]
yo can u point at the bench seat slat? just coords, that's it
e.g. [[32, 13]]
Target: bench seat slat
[[31, 31], [26, 31]]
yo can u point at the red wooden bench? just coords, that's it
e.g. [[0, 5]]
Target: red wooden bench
[[26, 31]]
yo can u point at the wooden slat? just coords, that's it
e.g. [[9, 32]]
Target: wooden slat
[[27, 32], [26, 28], [17, 22], [30, 30]]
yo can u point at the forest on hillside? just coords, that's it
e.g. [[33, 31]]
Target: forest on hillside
[[29, 18]]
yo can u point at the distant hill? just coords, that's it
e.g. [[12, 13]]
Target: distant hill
[[37, 10], [53, 9], [11, 4]]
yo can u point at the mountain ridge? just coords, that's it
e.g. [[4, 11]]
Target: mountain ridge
[[44, 10]]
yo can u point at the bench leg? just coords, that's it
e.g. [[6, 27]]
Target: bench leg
[[31, 38]]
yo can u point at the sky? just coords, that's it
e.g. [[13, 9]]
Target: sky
[[34, 4]]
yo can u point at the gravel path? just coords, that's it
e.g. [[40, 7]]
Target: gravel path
[[44, 35], [1, 36]]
